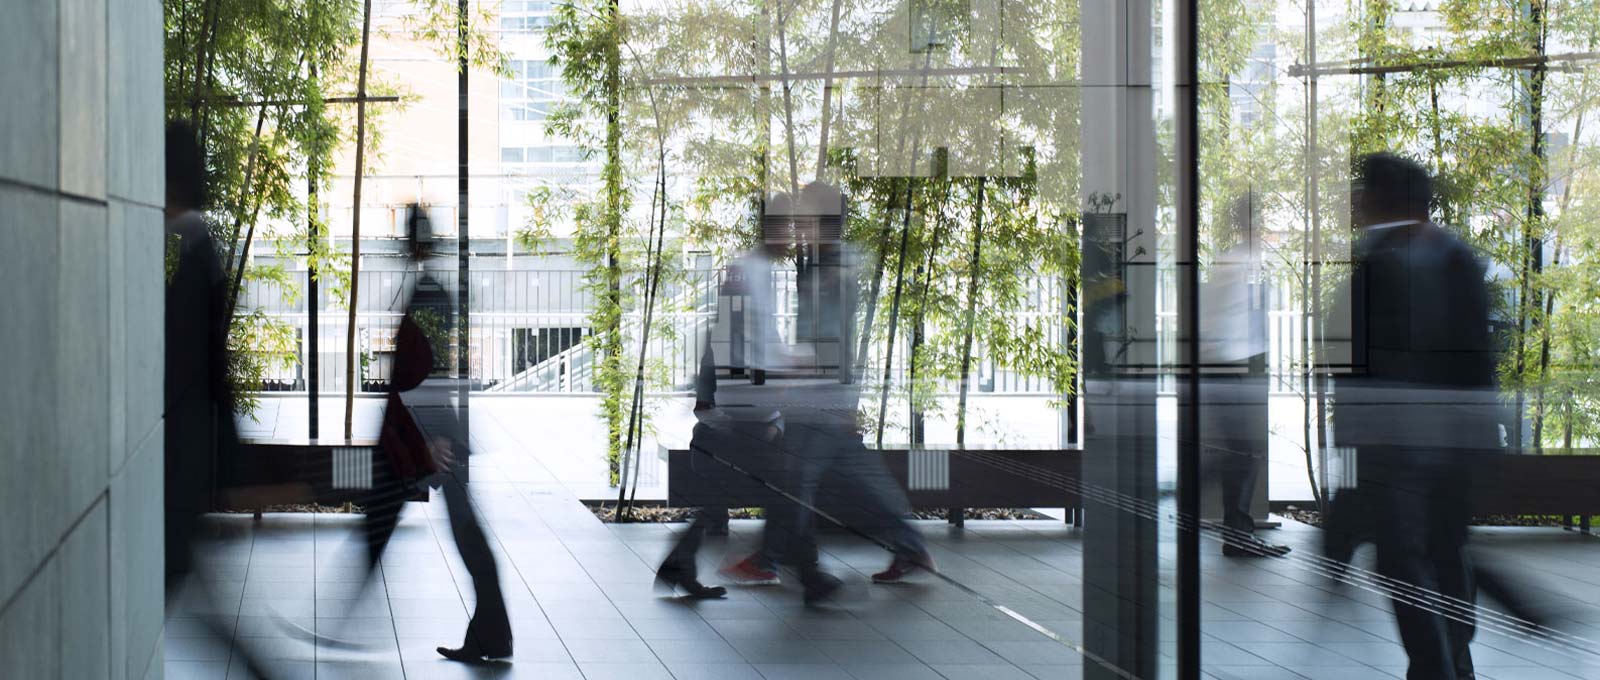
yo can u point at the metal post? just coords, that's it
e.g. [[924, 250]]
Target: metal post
[[313, 300], [1187, 165], [463, 233]]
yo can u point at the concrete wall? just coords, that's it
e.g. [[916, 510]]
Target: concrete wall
[[80, 277]]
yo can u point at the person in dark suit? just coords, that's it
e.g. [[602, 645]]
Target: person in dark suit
[[1420, 404], [198, 398], [200, 437], [426, 407]]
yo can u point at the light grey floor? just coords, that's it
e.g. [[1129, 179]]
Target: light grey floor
[[583, 607]]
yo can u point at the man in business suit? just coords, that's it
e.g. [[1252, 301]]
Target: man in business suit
[[1420, 405], [201, 440]]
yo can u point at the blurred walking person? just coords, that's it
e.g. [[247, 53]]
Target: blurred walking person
[[1233, 350], [786, 413], [1420, 406], [200, 438], [424, 440]]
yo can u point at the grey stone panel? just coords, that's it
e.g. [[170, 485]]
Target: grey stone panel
[[138, 562], [140, 293], [85, 640], [80, 345], [136, 93], [29, 474], [29, 627], [83, 97], [28, 110]]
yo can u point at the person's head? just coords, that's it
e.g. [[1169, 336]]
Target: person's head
[[1386, 187], [419, 233], [186, 169]]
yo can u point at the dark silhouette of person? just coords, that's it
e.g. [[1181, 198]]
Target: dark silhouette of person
[[200, 436], [425, 441], [1420, 405], [792, 422], [1233, 350]]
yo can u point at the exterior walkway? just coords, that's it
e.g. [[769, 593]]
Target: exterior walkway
[[582, 604]]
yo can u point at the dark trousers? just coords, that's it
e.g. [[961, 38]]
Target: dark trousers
[[832, 471], [490, 628], [736, 460], [1234, 428], [1237, 479], [1420, 528], [815, 467]]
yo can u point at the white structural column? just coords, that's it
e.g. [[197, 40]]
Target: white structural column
[[81, 332], [1120, 360]]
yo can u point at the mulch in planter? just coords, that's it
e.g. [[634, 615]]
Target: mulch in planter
[[657, 513], [314, 508], [1314, 518]]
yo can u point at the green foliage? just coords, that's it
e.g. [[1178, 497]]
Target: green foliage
[[585, 42], [254, 77]]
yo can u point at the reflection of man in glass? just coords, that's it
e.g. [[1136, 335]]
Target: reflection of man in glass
[[1233, 351], [1421, 403], [781, 428]]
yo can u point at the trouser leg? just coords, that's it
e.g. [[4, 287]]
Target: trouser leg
[[864, 496], [1238, 481], [1421, 541], [789, 536], [490, 627], [181, 531], [682, 559], [382, 509]]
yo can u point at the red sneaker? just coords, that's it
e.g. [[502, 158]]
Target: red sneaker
[[749, 572], [902, 567]]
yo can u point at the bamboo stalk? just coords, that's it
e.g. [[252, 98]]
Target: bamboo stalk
[[894, 315], [249, 174], [355, 225], [973, 269], [827, 93]]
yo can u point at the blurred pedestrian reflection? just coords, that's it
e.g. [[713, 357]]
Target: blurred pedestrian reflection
[[424, 440], [1420, 405], [776, 405], [201, 442], [1233, 351]]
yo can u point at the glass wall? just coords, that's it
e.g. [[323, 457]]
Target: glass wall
[[1138, 339]]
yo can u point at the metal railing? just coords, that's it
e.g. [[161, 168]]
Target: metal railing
[[528, 330]]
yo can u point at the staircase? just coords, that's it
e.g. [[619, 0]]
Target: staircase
[[572, 369]]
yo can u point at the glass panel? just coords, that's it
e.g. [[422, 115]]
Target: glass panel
[[1402, 179]]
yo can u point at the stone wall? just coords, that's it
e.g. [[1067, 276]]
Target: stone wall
[[80, 339]]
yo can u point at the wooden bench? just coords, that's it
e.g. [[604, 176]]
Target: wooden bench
[[954, 479], [306, 471], [1552, 483]]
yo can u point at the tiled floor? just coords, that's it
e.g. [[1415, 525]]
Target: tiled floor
[[582, 604]]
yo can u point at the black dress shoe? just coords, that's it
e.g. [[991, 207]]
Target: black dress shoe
[[819, 586], [675, 578], [467, 654], [1254, 548]]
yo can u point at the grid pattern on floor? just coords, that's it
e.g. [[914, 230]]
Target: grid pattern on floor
[[582, 604]]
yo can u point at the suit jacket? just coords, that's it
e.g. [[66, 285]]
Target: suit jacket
[[200, 436], [431, 391], [1421, 345], [796, 389]]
